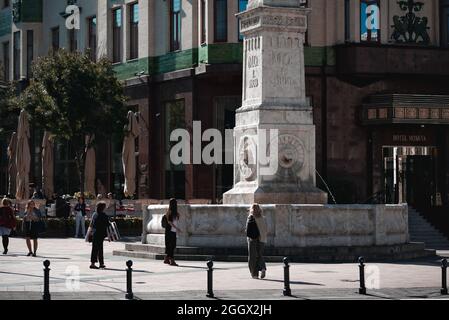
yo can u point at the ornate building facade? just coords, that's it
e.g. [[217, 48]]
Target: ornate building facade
[[376, 74]]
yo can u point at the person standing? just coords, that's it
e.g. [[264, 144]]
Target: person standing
[[256, 231], [7, 222], [99, 226], [31, 224], [172, 218], [80, 217]]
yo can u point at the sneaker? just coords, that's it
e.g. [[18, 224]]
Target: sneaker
[[93, 267], [103, 267], [263, 274], [255, 277]]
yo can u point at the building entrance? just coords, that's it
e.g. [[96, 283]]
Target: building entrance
[[410, 175]]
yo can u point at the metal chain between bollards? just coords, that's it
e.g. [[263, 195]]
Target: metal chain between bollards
[[129, 285], [46, 295], [444, 277], [362, 289], [210, 292], [287, 291]]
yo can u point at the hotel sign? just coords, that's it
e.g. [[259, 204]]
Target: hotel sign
[[404, 138]]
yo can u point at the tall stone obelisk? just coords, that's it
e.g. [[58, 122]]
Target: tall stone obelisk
[[274, 98]]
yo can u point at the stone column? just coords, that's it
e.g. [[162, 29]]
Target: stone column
[[275, 115]]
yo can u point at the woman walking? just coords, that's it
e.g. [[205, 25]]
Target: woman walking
[[31, 224], [80, 214], [99, 226], [256, 231], [172, 217], [7, 222]]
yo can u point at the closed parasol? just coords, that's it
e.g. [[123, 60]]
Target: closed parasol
[[129, 155], [47, 164], [23, 157]]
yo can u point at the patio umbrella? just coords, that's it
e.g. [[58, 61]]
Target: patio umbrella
[[12, 170], [47, 164], [89, 168], [129, 155], [23, 157]]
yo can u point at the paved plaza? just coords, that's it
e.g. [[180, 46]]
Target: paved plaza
[[22, 277]]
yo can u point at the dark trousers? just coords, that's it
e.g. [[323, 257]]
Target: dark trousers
[[170, 244], [97, 250], [5, 241], [256, 261]]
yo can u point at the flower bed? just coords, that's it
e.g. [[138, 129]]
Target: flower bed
[[63, 228]]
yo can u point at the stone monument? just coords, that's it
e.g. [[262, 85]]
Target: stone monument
[[300, 224], [274, 99]]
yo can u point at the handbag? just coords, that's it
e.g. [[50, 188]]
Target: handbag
[[89, 234]]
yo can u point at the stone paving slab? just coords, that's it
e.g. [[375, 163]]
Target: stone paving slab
[[21, 275]]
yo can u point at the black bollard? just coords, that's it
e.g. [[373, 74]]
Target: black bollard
[[129, 285], [46, 295], [444, 277], [287, 291], [362, 289], [210, 292]]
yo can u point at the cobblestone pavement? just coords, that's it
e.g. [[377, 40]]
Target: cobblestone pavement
[[21, 277]]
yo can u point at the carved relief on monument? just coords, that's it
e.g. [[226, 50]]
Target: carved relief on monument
[[247, 157], [291, 158]]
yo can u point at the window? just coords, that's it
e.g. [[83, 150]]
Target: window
[[134, 31], [445, 23], [55, 38], [242, 7], [370, 21], [16, 55], [30, 51], [203, 21], [117, 35], [6, 54], [6, 4], [174, 174], [175, 25], [221, 20], [73, 46], [92, 37], [347, 20]]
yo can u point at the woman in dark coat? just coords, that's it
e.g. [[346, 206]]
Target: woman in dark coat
[[172, 217], [7, 222], [99, 226]]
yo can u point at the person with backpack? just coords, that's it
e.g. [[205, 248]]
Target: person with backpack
[[7, 222], [256, 232], [170, 222]]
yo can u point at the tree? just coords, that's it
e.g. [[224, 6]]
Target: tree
[[9, 111], [73, 97]]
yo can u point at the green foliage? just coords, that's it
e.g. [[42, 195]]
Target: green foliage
[[9, 111], [73, 97]]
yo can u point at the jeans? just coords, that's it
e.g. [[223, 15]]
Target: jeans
[[80, 222], [256, 261]]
